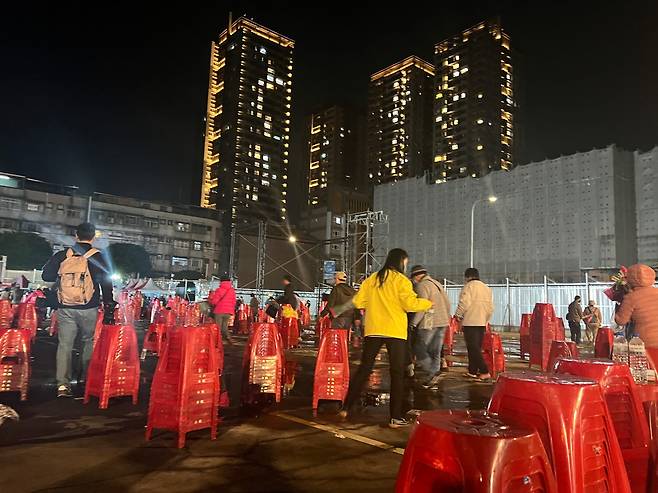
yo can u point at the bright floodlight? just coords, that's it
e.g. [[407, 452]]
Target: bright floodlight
[[292, 239], [492, 199], [115, 277]]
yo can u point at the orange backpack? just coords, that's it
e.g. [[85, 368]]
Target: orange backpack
[[76, 286]]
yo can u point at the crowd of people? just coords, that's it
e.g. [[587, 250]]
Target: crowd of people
[[408, 314]]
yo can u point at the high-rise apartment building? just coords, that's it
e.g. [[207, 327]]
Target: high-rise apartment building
[[476, 104], [400, 121], [245, 163], [334, 157]]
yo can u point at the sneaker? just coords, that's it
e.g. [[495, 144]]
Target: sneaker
[[64, 391], [398, 423], [433, 382], [471, 376]]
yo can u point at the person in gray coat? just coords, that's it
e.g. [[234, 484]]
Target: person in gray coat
[[430, 326]]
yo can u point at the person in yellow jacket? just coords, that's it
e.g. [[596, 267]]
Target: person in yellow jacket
[[387, 296]]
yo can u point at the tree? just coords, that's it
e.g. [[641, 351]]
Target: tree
[[190, 275], [127, 258], [25, 250]]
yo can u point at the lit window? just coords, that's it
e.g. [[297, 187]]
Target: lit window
[[270, 78], [479, 95], [463, 95], [266, 157], [480, 147], [254, 197], [455, 97], [263, 50], [454, 147], [455, 73], [279, 81], [480, 121], [270, 85], [261, 82]]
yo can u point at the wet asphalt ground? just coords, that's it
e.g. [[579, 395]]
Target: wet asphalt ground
[[62, 445]]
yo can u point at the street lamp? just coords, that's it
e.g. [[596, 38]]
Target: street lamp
[[292, 239], [491, 199]]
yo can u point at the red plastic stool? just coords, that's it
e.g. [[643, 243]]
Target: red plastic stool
[[559, 350], [626, 410], [575, 353], [652, 413], [114, 366], [15, 361], [289, 330], [604, 343], [26, 318], [572, 419], [6, 314], [473, 452], [544, 329], [185, 390], [492, 351], [323, 324], [263, 363], [155, 338], [524, 335], [332, 369]]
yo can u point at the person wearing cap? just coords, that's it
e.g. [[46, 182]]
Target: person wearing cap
[[341, 294], [431, 325], [592, 319]]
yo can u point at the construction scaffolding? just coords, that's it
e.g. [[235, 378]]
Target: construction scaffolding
[[365, 232]]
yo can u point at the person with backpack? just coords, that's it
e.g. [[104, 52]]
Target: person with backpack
[[82, 278], [430, 326]]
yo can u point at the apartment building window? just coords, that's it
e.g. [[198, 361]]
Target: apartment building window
[[179, 261], [182, 226], [151, 223], [32, 207], [11, 204], [73, 213], [197, 246]]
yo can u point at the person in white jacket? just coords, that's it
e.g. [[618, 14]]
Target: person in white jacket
[[474, 312]]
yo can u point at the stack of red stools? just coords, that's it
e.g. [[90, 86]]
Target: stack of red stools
[[123, 314], [156, 334], [114, 367], [560, 350], [544, 329], [604, 343], [492, 351], [332, 368], [304, 315], [572, 419], [289, 330], [242, 327], [6, 314], [98, 329], [137, 303], [625, 408], [473, 452], [263, 362], [154, 308], [185, 389], [524, 334], [15, 361], [192, 315], [321, 326], [26, 318], [449, 339]]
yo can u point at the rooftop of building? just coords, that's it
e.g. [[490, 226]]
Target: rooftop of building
[[9, 180], [494, 25], [410, 61], [251, 26]]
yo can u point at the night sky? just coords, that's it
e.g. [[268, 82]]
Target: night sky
[[113, 100]]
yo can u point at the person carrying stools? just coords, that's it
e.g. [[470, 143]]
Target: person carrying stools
[[340, 294], [82, 275], [474, 311], [430, 326]]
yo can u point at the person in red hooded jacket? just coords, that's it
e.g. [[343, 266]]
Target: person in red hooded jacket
[[641, 307], [222, 301]]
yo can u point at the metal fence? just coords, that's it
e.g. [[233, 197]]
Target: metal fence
[[512, 300]]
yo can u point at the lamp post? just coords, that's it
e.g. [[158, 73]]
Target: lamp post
[[491, 200]]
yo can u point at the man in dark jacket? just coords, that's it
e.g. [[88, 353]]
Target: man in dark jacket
[[574, 316], [289, 297], [254, 305], [341, 294], [79, 317]]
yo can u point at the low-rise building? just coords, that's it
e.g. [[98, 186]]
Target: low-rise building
[[176, 237]]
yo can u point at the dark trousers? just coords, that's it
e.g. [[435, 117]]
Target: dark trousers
[[473, 337], [397, 352], [574, 327]]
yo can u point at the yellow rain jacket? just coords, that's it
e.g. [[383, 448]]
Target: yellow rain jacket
[[387, 305]]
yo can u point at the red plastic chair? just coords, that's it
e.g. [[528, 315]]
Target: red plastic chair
[[332, 368], [114, 366], [15, 361], [473, 452], [492, 351], [544, 329], [626, 410], [185, 390], [604, 343], [559, 350], [572, 419], [524, 334]]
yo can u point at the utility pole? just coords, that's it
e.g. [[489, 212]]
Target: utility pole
[[261, 255]]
